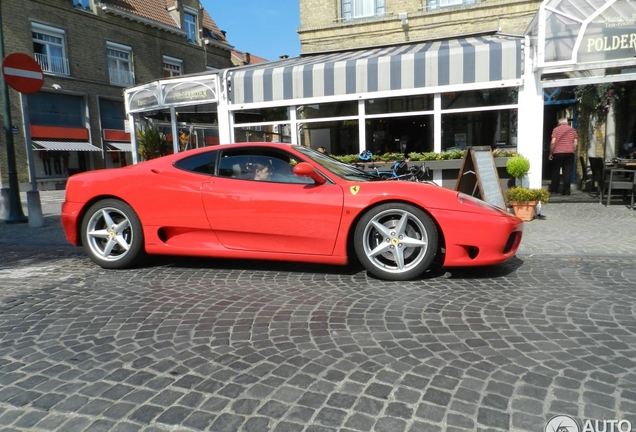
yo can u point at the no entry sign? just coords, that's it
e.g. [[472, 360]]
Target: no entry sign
[[22, 73]]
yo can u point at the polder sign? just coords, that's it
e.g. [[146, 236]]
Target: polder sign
[[611, 35]]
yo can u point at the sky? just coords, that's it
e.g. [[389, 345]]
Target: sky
[[263, 28]]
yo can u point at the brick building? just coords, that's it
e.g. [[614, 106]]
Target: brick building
[[90, 51], [349, 24]]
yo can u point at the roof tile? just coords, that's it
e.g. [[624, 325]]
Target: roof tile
[[157, 10]]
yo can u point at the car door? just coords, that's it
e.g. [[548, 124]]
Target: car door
[[271, 216]]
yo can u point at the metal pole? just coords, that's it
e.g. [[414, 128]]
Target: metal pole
[[15, 205], [34, 205]]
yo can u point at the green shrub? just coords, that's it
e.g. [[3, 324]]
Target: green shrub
[[518, 166], [421, 157], [522, 194]]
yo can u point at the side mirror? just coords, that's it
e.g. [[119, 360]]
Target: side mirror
[[303, 169]]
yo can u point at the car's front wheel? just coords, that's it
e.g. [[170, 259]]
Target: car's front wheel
[[112, 234], [396, 241]]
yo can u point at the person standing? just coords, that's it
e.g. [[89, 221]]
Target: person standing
[[562, 152]]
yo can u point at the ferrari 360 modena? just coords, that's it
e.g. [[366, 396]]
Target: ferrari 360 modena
[[281, 202]]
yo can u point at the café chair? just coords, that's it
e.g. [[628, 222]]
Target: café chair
[[617, 179], [597, 165], [585, 178], [631, 206]]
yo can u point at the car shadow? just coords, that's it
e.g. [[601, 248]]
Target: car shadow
[[253, 265], [484, 272], [494, 271]]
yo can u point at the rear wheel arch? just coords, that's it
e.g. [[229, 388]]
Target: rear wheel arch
[[111, 233]]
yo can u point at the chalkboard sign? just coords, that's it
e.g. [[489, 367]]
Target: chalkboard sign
[[478, 176]]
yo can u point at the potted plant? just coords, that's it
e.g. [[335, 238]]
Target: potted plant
[[524, 200], [151, 143], [518, 167]]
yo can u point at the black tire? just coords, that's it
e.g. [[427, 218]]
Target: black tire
[[396, 241], [112, 235]]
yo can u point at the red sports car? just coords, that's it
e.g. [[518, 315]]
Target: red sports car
[[280, 202]]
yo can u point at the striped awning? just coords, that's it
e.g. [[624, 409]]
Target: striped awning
[[119, 146], [470, 60], [64, 145]]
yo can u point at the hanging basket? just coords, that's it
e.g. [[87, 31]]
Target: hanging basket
[[524, 210]]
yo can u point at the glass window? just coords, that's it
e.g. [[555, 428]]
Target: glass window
[[48, 47], [84, 4], [400, 135], [437, 4], [112, 114], [190, 26], [264, 133], [172, 67], [337, 109], [56, 109], [263, 164], [484, 128], [120, 66], [479, 98], [262, 115], [356, 9], [400, 104], [338, 137], [204, 163]]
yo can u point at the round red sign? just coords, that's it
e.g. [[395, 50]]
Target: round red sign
[[22, 73]]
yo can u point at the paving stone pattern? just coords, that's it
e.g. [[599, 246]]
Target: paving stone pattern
[[188, 344]]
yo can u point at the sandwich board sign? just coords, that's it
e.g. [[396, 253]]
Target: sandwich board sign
[[478, 176]]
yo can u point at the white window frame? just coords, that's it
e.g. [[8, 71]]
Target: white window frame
[[48, 62], [191, 27], [440, 4], [120, 64], [172, 65], [362, 9]]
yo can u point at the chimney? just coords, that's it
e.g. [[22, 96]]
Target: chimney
[[248, 58]]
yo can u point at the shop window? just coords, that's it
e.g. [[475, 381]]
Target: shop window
[[400, 134], [263, 133], [262, 115], [326, 110], [338, 137], [112, 114], [483, 128], [190, 25], [359, 9], [56, 109], [172, 67], [120, 65], [401, 104], [479, 98], [49, 50], [439, 4]]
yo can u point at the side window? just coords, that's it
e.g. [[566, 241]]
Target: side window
[[260, 164], [235, 166], [204, 163]]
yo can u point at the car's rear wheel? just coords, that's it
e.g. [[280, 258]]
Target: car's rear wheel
[[112, 234], [396, 241]]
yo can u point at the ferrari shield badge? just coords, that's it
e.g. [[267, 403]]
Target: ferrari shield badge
[[354, 189]]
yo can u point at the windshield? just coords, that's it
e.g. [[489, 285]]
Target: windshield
[[342, 170]]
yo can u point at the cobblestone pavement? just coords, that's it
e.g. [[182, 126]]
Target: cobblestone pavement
[[189, 344]]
